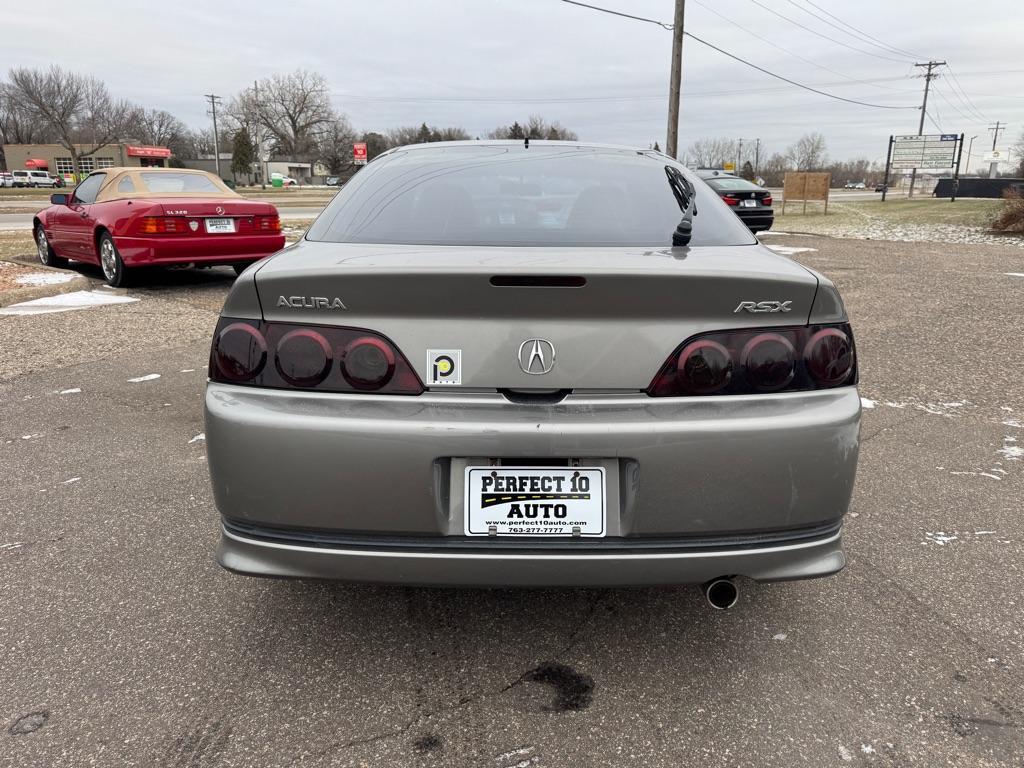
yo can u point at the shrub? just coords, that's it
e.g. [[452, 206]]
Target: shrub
[[1011, 216]]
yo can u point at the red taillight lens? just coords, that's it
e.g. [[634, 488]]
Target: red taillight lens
[[704, 367], [730, 200], [766, 200], [267, 223], [304, 357], [239, 353], [755, 361], [829, 356], [368, 363], [160, 225]]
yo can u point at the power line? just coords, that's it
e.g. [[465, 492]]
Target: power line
[[958, 86], [856, 34], [661, 24], [822, 34], [786, 50], [957, 109], [794, 82], [741, 60]]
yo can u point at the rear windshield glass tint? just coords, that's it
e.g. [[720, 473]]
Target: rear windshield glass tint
[[510, 195], [734, 185], [178, 182]]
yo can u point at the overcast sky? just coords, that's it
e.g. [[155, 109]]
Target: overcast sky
[[483, 63]]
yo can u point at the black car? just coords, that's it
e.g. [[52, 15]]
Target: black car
[[753, 204]]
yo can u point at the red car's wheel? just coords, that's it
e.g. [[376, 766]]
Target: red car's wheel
[[47, 256], [114, 271]]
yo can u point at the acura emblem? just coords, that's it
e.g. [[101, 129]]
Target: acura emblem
[[536, 356]]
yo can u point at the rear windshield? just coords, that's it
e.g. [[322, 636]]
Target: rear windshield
[[544, 195], [178, 182], [734, 185]]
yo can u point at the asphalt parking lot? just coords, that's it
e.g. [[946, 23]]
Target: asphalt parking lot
[[123, 644]]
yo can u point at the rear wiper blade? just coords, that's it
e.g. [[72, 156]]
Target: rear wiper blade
[[685, 196]]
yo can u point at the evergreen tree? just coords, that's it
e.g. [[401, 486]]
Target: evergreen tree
[[243, 155]]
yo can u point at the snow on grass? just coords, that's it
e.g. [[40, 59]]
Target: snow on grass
[[45, 278], [66, 302], [789, 250], [867, 404], [198, 438]]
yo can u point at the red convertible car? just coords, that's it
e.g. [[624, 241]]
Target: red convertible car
[[123, 218]]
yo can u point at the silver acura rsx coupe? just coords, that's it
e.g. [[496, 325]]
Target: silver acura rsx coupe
[[532, 364]]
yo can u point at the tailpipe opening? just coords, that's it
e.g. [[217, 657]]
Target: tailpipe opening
[[721, 593]]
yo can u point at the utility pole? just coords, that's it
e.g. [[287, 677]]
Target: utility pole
[[757, 155], [928, 77], [676, 81], [993, 168], [970, 146], [739, 157], [260, 166], [214, 100]]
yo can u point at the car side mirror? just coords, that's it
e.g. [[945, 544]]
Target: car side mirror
[[58, 199]]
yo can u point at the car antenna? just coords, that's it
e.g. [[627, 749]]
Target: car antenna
[[526, 143]]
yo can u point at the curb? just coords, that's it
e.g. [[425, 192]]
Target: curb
[[30, 292]]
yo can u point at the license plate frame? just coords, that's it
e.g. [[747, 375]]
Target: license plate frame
[[220, 226], [749, 203], [583, 517]]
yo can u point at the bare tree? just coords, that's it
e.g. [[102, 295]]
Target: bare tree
[[711, 152], [1018, 151], [334, 144], [423, 133], [293, 108], [77, 108], [808, 153], [156, 126]]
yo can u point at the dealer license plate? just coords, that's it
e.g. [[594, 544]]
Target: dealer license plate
[[749, 203], [535, 501], [220, 226]]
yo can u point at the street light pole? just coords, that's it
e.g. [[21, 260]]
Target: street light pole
[[970, 145], [675, 84]]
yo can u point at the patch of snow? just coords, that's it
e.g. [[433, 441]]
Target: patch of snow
[[984, 533], [66, 302], [188, 370], [197, 438], [1014, 274], [780, 636], [74, 391], [29, 437], [789, 250], [940, 537], [147, 377], [987, 474], [867, 749], [1011, 452], [845, 754], [44, 278], [865, 403], [12, 545], [1013, 423], [71, 480]]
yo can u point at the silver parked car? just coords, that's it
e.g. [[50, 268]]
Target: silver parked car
[[532, 364]]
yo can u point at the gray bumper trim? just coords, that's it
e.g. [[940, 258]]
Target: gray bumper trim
[[800, 560]]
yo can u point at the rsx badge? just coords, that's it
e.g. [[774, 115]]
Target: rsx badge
[[763, 306]]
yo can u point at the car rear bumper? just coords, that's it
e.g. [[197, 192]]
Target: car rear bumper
[[756, 219], [184, 249], [392, 466], [622, 564]]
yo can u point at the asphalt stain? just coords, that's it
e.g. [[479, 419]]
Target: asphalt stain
[[29, 723], [573, 690], [201, 746], [428, 742]]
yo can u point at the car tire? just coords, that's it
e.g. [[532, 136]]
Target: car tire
[[47, 256], [114, 270]]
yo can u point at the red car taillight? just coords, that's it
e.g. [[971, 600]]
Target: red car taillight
[[267, 223], [766, 200], [730, 200], [316, 358], [759, 360], [160, 225]]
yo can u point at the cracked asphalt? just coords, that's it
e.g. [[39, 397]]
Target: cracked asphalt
[[123, 644]]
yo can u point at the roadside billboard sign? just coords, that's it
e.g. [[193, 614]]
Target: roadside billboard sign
[[359, 153], [803, 185], [932, 152], [996, 156]]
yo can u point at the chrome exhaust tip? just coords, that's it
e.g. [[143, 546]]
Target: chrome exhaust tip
[[721, 593]]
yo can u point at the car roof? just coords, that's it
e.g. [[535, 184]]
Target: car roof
[[109, 189], [546, 143]]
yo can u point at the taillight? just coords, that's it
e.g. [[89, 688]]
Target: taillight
[[730, 200], [766, 200], [160, 225], [315, 358], [757, 361], [267, 223]]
